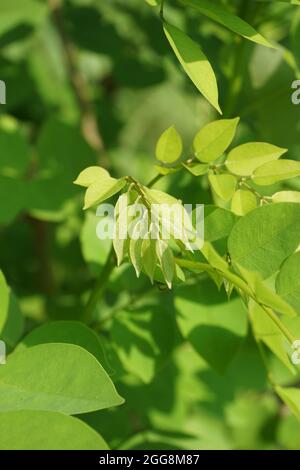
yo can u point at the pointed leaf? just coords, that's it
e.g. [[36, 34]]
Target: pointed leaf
[[46, 430], [213, 139], [229, 20], [243, 201], [194, 63], [223, 185], [76, 382], [169, 146], [272, 172], [245, 158]]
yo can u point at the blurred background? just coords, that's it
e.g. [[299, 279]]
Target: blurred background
[[95, 82]]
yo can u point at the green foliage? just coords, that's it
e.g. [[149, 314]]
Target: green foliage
[[123, 98]]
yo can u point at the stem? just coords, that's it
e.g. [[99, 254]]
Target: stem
[[239, 283], [236, 78], [99, 288], [154, 180], [161, 11], [253, 191], [89, 125]]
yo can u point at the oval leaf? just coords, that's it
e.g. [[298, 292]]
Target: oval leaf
[[169, 146], [272, 172], [223, 185], [245, 158], [264, 238], [46, 430], [243, 201], [213, 139], [56, 377]]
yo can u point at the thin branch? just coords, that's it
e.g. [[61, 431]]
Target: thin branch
[[89, 125]]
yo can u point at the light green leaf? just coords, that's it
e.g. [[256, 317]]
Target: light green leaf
[[153, 3], [288, 281], [229, 20], [55, 377], [218, 223], [197, 169], [286, 196], [272, 172], [269, 333], [264, 238], [162, 170], [223, 185], [169, 146], [149, 257], [160, 197], [264, 294], [97, 193], [166, 261], [194, 62], [213, 139], [245, 158], [243, 201], [92, 174], [46, 430], [70, 332], [214, 326], [120, 239], [291, 396], [135, 253]]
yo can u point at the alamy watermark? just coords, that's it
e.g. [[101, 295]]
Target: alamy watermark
[[152, 221], [2, 353], [296, 353], [2, 92], [296, 94]]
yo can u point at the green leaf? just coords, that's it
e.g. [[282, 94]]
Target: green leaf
[[229, 20], [97, 193], [120, 242], [92, 174], [288, 281], [194, 62], [269, 333], [135, 253], [169, 146], [56, 377], [214, 326], [272, 172], [243, 201], [149, 257], [264, 294], [197, 169], [286, 196], [223, 185], [245, 158], [166, 261], [291, 396], [70, 332], [264, 238], [46, 430], [153, 3], [213, 139], [218, 223]]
